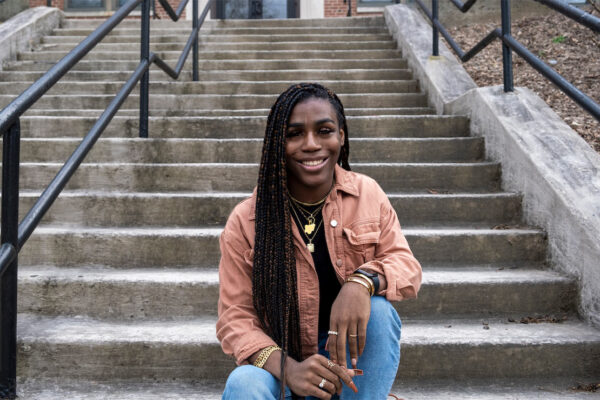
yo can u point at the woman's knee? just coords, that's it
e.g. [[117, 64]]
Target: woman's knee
[[384, 318], [250, 382]]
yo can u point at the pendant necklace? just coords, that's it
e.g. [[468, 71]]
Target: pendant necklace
[[309, 228]]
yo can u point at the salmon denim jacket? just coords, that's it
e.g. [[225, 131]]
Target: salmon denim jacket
[[361, 230]]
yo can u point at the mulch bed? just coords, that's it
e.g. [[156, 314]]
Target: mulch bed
[[571, 49]]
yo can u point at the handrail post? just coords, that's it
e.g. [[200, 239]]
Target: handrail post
[[145, 81], [8, 280], [435, 12], [506, 51], [349, 14], [195, 48]]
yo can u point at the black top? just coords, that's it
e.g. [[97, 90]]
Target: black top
[[329, 287]]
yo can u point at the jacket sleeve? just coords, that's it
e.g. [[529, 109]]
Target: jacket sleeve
[[393, 257], [238, 327]]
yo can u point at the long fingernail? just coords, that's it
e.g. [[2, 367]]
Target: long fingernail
[[353, 387], [353, 362], [327, 344], [358, 372]]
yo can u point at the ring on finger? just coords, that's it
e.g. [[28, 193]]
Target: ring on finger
[[330, 364], [322, 384], [332, 333], [352, 335]]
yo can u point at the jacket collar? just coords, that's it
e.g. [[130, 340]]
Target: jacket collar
[[344, 181]]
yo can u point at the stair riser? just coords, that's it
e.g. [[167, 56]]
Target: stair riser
[[176, 250], [175, 30], [212, 38], [193, 362], [376, 21], [243, 127], [229, 88], [247, 151], [358, 45], [186, 75], [243, 177], [217, 65], [127, 300], [192, 212], [223, 55], [190, 102]]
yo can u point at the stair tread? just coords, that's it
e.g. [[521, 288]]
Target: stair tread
[[198, 331]]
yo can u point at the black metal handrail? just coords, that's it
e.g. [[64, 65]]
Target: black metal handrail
[[14, 235], [510, 44]]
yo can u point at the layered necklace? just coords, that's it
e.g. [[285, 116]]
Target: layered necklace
[[308, 219]]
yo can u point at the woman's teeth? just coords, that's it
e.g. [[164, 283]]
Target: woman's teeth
[[312, 163]]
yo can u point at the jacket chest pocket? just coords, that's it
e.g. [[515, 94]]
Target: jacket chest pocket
[[361, 239]]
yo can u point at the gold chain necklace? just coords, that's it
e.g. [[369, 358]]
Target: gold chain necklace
[[309, 227], [310, 245]]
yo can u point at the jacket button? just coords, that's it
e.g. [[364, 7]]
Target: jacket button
[[333, 223], [339, 263]]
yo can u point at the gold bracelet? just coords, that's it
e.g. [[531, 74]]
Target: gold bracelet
[[361, 282], [264, 355], [368, 280]]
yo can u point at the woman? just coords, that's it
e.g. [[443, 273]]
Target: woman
[[309, 264]]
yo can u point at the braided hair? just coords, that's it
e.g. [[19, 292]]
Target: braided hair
[[274, 286]]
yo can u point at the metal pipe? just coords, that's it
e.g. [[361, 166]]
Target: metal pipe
[[145, 81], [174, 15], [436, 35], [506, 52], [463, 7], [19, 105], [576, 14], [43, 203], [195, 33], [8, 283], [567, 87]]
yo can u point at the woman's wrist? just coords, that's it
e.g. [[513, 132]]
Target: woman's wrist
[[363, 281]]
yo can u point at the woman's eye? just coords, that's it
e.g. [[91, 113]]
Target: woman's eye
[[292, 133], [324, 131]]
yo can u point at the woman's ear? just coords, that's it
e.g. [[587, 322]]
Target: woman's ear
[[342, 136]]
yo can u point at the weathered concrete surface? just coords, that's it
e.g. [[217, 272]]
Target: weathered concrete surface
[[22, 31], [557, 172], [442, 78], [10, 8]]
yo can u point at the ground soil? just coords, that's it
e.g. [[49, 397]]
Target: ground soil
[[571, 49]]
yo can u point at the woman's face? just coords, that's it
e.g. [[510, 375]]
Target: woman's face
[[313, 144]]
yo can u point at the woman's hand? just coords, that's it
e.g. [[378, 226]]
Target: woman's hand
[[303, 378], [349, 317]]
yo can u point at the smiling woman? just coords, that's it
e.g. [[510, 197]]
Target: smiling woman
[[309, 265]]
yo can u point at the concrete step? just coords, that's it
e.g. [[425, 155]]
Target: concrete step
[[371, 21], [233, 31], [231, 127], [229, 75], [223, 55], [155, 247], [217, 65], [219, 87], [132, 177], [190, 102], [178, 46], [187, 350], [98, 209], [208, 37], [485, 389], [159, 151], [253, 112], [165, 294]]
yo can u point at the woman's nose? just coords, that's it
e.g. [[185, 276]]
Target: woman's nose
[[311, 142]]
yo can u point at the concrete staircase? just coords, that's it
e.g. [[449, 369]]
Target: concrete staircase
[[118, 287]]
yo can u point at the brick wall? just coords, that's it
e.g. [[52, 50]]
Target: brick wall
[[60, 4], [337, 8]]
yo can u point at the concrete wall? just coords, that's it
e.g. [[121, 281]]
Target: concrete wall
[[25, 29], [484, 11], [10, 8], [312, 8], [556, 171]]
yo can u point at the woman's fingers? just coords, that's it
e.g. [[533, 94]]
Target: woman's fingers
[[343, 374], [362, 336], [340, 345], [353, 347]]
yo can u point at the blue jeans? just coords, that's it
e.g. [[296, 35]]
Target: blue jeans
[[379, 362]]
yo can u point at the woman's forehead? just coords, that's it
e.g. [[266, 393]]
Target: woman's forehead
[[314, 109]]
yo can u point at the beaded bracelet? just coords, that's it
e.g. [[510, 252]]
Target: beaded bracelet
[[264, 355]]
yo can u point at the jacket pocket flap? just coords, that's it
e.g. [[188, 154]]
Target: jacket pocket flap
[[357, 239]]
